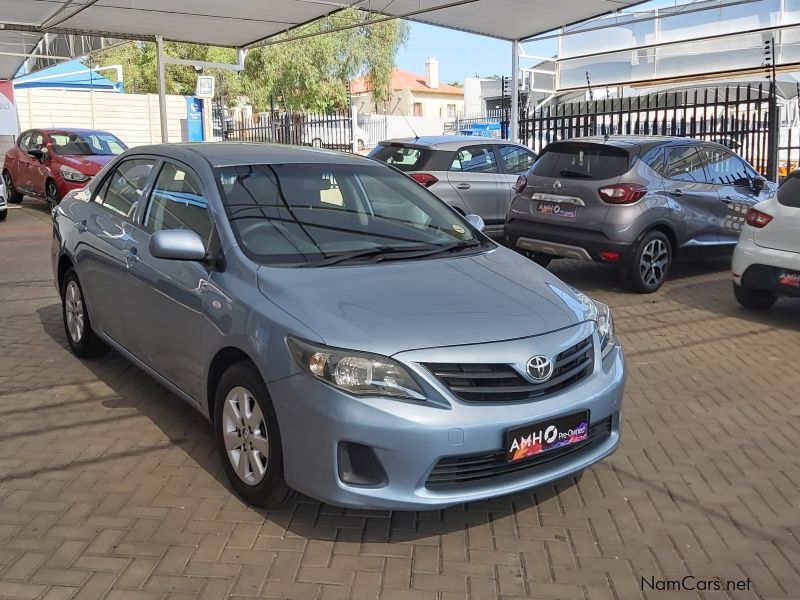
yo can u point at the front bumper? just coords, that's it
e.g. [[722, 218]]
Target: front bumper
[[64, 186], [563, 241], [409, 438]]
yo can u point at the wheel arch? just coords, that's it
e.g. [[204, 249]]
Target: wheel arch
[[64, 264], [224, 359], [667, 230]]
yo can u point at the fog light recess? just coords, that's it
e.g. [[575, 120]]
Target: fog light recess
[[359, 466]]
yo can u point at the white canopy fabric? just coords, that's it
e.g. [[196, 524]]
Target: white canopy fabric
[[241, 23]]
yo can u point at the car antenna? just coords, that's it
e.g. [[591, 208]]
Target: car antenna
[[402, 114]]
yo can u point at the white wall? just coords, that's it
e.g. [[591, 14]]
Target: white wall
[[134, 118], [386, 127]]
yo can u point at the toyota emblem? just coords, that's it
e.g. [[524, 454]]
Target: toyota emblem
[[540, 368]]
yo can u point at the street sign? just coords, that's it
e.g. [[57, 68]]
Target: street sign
[[205, 87]]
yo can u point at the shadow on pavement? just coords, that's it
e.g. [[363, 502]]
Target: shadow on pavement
[[186, 428]]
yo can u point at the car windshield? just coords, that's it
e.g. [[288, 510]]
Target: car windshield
[[84, 144], [322, 214]]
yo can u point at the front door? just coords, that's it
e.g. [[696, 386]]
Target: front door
[[105, 224], [170, 294], [476, 178], [696, 201], [734, 180], [36, 170], [514, 161]]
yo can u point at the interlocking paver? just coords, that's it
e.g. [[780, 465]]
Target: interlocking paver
[[110, 487]]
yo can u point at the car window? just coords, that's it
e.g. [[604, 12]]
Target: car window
[[405, 158], [725, 168], [24, 139], [36, 141], [83, 144], [684, 163], [121, 191], [475, 159], [789, 192], [515, 159], [582, 160], [178, 202]]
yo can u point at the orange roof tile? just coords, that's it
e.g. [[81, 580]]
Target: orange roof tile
[[402, 80]]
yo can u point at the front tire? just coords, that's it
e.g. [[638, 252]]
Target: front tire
[[754, 299], [648, 266], [82, 339], [51, 194], [3, 214], [14, 197], [248, 437]]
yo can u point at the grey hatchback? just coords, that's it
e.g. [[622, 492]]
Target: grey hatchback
[[632, 201], [348, 334]]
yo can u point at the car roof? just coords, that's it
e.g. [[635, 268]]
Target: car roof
[[66, 130], [644, 142], [220, 154], [446, 142]]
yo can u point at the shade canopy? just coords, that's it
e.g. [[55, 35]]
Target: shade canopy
[[71, 75], [241, 23]]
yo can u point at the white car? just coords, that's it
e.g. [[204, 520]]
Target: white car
[[333, 133], [3, 203], [766, 262]]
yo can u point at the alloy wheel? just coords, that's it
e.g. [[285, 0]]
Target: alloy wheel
[[73, 304], [245, 433], [653, 262], [52, 195]]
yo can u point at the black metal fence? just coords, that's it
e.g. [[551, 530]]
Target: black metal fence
[[738, 117], [334, 131]]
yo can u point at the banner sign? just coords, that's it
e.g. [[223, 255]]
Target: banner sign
[[9, 125], [194, 119]]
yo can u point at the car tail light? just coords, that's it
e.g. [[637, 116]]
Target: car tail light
[[424, 179], [756, 218], [622, 193], [610, 256], [521, 184]]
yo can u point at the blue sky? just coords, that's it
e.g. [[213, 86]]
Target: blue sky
[[464, 54]]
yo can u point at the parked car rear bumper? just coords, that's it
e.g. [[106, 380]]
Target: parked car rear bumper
[[566, 242]]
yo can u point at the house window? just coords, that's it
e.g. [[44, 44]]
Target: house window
[[417, 109], [451, 111]]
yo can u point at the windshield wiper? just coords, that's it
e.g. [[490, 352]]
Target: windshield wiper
[[571, 173], [381, 253]]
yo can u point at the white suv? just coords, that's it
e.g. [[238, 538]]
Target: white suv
[[766, 262]]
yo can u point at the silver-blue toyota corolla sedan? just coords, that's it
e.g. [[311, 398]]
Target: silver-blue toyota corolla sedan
[[347, 333]]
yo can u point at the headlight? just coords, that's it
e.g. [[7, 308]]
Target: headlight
[[72, 174], [600, 314], [357, 373]]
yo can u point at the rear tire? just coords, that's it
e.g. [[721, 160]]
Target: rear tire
[[14, 197], [647, 267], [540, 258], [248, 437], [81, 337], [51, 194], [754, 299]]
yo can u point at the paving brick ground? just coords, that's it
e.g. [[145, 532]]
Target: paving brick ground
[[110, 486]]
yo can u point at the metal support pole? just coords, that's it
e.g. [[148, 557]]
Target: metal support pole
[[162, 95], [513, 135]]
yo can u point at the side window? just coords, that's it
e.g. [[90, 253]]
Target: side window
[[121, 191], [36, 141], [516, 160], [24, 141], [475, 159], [725, 168], [684, 163], [656, 162], [178, 202]]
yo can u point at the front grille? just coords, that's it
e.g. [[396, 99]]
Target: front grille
[[455, 471], [502, 383]]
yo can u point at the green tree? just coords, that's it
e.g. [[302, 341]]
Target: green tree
[[299, 74]]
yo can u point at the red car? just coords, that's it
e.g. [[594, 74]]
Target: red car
[[51, 162]]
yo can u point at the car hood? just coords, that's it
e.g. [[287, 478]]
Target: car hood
[[392, 307], [89, 164]]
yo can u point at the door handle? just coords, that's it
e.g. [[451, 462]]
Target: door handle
[[463, 186], [82, 227], [677, 193]]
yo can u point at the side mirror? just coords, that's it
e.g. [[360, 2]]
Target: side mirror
[[476, 221], [758, 184], [36, 153], [177, 244]]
